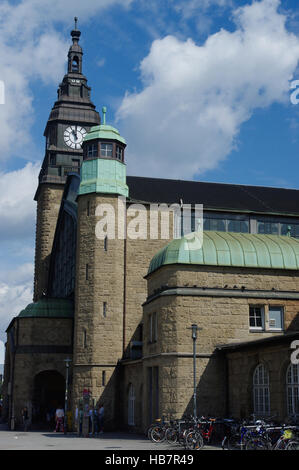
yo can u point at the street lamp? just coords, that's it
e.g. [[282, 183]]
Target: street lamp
[[194, 329], [67, 365]]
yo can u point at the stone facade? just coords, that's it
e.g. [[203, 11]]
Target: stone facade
[[223, 318], [48, 205], [110, 291], [241, 365], [35, 346]]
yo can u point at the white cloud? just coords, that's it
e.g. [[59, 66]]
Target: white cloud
[[195, 98], [16, 292], [17, 207]]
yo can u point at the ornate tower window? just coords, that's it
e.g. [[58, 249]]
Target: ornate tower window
[[119, 153], [92, 150], [75, 64], [106, 150]]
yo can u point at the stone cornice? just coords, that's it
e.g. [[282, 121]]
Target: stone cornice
[[222, 292]]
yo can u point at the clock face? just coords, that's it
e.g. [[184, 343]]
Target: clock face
[[73, 136]]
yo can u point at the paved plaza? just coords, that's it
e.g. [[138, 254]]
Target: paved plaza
[[110, 441]]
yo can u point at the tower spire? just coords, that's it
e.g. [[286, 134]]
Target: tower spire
[[75, 53]]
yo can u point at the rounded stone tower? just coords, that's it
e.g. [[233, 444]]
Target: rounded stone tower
[[99, 300]]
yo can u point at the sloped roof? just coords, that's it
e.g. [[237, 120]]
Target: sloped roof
[[215, 196], [49, 308]]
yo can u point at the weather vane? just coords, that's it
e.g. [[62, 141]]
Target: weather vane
[[76, 22]]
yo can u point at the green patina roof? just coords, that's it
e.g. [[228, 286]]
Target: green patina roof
[[103, 176], [104, 132], [231, 249], [49, 308]]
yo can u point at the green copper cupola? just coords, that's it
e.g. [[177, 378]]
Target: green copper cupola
[[103, 169]]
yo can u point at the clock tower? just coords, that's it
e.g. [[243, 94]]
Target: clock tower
[[71, 117]]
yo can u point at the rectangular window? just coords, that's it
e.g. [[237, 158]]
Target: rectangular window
[[103, 378], [92, 150], [88, 208], [276, 318], [150, 335], [84, 339], [267, 227], [86, 272], [106, 150], [153, 327], [119, 152], [53, 160], [104, 309], [256, 318]]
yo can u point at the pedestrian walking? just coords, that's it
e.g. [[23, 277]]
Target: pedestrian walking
[[25, 418], [59, 418]]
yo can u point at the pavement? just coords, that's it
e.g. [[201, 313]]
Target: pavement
[[108, 441]]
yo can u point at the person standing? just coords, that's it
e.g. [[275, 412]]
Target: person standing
[[101, 418], [59, 417], [25, 418]]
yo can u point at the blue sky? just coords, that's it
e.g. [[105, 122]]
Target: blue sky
[[199, 89]]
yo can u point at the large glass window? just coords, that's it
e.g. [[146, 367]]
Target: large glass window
[[267, 227], [292, 380], [226, 223], [242, 223], [261, 394], [239, 226]]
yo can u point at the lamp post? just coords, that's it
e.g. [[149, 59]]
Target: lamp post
[[194, 329], [67, 365]]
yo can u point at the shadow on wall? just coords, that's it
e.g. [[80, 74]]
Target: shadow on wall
[[211, 389], [294, 325]]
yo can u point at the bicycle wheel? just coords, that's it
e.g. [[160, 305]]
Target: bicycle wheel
[[234, 443], [194, 440], [256, 443], [171, 436], [292, 445], [157, 434]]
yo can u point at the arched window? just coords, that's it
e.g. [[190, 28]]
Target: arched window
[[261, 394], [131, 406], [75, 64], [292, 379]]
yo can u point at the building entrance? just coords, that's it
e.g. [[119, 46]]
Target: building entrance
[[49, 390]]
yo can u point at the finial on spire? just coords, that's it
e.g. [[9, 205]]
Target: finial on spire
[[75, 33], [104, 110]]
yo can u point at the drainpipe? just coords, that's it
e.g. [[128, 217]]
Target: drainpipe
[[125, 294]]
